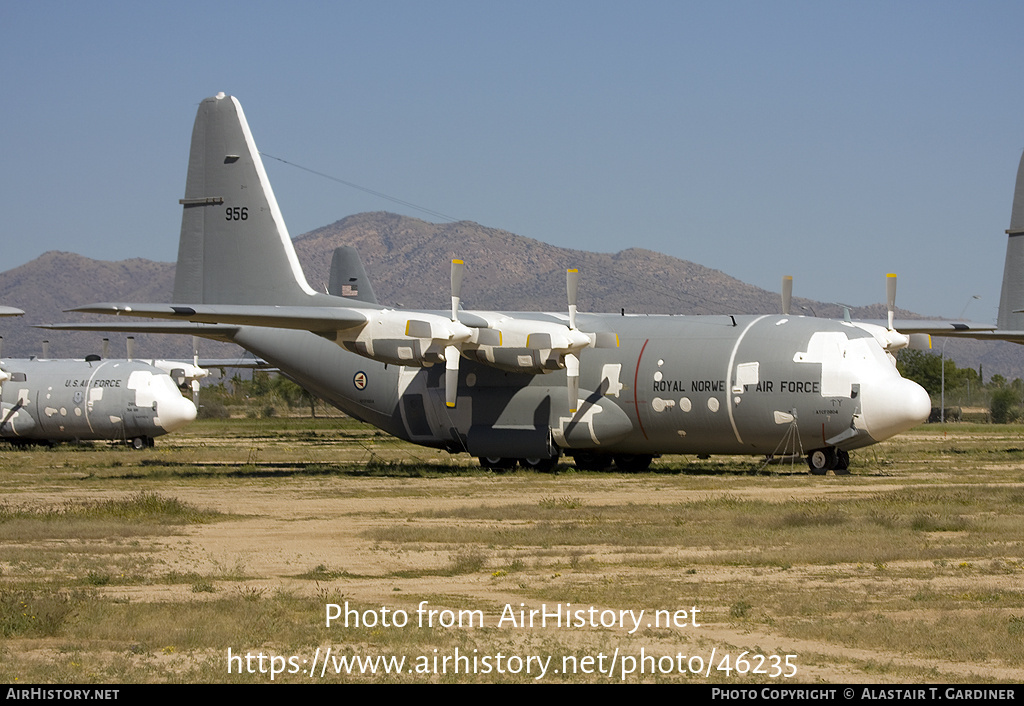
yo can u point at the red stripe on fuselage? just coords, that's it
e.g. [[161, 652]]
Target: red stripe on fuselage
[[636, 377]]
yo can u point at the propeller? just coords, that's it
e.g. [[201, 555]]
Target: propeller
[[195, 363], [896, 340], [565, 342], [46, 350], [890, 297], [452, 352], [787, 294], [106, 347], [572, 359], [129, 344], [4, 375], [508, 343]]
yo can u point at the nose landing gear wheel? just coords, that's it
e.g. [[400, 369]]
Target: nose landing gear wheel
[[821, 461]]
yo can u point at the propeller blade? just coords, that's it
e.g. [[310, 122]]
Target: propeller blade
[[787, 294], [572, 281], [890, 297], [46, 349], [458, 267], [129, 345], [195, 393], [572, 372], [451, 375], [895, 340], [14, 410], [106, 347], [195, 351]]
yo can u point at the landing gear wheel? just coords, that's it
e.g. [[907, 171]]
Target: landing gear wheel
[[592, 462], [821, 461], [139, 443], [842, 467], [541, 465], [633, 463], [496, 463]]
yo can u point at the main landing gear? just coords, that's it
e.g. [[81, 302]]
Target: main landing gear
[[821, 461], [495, 463], [626, 463]]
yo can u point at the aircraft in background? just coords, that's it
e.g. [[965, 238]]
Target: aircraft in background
[[514, 387], [1009, 324], [1010, 319], [45, 401]]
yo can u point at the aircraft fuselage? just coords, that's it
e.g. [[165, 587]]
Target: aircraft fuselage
[[64, 400], [675, 384], [517, 386]]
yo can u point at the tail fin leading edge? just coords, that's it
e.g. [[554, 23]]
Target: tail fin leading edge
[[234, 247], [1012, 296]]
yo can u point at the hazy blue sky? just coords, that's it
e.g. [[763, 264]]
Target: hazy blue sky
[[831, 141]]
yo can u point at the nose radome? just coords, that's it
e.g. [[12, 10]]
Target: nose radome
[[894, 405], [175, 412]]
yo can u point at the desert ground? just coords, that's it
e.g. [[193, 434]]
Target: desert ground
[[219, 555]]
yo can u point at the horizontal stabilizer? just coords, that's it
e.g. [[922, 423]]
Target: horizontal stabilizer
[[316, 319], [172, 327], [246, 362]]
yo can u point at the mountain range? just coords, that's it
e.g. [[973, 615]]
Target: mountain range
[[408, 261]]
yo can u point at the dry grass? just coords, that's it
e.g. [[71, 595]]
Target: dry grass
[[908, 570]]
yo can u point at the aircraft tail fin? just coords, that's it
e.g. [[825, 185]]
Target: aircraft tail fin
[[1012, 296], [348, 278], [234, 247]]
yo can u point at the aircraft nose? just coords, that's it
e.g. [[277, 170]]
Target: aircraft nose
[[894, 405], [176, 412]]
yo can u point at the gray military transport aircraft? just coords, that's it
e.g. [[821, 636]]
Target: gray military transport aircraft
[[516, 387], [44, 401]]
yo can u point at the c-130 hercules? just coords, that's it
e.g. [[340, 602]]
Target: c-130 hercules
[[520, 387], [48, 401]]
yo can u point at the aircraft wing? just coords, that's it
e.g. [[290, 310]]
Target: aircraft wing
[[991, 335], [315, 319], [10, 311], [940, 328], [956, 329], [959, 329]]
